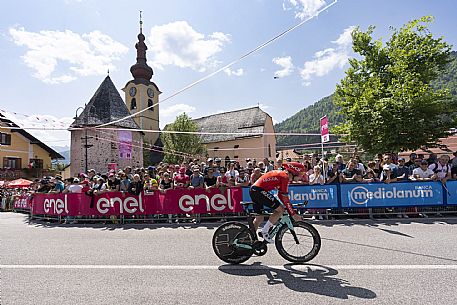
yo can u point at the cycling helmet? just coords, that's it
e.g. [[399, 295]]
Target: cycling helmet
[[295, 168]]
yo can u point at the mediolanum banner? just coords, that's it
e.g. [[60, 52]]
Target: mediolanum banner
[[393, 194]]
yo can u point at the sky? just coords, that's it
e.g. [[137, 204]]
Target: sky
[[55, 54]]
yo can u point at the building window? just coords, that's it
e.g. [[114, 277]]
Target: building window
[[13, 163], [235, 157], [5, 139], [133, 104], [236, 146], [216, 148], [150, 103], [113, 146], [36, 163], [269, 150]]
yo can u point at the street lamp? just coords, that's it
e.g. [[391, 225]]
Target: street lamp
[[85, 138]]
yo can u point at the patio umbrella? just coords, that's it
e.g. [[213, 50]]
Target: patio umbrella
[[20, 183]]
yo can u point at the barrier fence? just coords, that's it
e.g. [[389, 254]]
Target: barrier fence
[[334, 197]]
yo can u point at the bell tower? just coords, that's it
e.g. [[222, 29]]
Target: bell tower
[[141, 94]]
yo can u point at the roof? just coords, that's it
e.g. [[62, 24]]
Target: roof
[[105, 106], [446, 146], [250, 120], [52, 153]]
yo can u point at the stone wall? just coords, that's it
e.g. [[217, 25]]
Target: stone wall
[[106, 149]]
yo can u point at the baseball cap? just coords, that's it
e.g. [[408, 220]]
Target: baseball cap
[[401, 159]]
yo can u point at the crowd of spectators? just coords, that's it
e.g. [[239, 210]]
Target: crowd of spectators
[[214, 173]]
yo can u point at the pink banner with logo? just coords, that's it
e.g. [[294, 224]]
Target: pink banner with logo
[[196, 201], [23, 202], [325, 137]]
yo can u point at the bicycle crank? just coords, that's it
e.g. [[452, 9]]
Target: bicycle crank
[[260, 248]]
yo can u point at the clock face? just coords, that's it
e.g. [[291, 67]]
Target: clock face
[[150, 92], [132, 91]]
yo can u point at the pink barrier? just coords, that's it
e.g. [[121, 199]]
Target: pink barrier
[[196, 201], [23, 202]]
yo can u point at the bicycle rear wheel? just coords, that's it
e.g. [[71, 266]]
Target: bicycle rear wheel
[[223, 240], [309, 242]]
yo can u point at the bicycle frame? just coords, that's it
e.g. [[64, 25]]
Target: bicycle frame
[[284, 220]]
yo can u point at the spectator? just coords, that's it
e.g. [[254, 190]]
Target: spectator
[[351, 173], [372, 167], [136, 186], [454, 166], [243, 179], [316, 177], [100, 186], [403, 171], [412, 159], [196, 179], [210, 180], [370, 176], [210, 165], [339, 159], [150, 184], [432, 158], [166, 183], [74, 187], [387, 174], [423, 173], [124, 182], [181, 180], [58, 185], [222, 181], [333, 175], [441, 169], [113, 183], [255, 175], [232, 174]]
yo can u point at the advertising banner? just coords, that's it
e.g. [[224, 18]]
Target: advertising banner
[[318, 196], [390, 195], [324, 130], [125, 144], [451, 193], [22, 203], [116, 203]]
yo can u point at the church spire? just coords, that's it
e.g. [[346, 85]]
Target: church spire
[[141, 70]]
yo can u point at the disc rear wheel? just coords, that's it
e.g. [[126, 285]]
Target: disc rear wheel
[[223, 242]]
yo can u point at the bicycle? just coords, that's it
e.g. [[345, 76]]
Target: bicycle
[[234, 242]]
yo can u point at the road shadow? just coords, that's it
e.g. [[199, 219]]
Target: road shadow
[[110, 226], [317, 279]]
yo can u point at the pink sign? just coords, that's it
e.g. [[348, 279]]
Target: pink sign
[[23, 202], [324, 130], [125, 144], [196, 201]]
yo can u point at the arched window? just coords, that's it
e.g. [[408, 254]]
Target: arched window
[[133, 104], [269, 150], [150, 103]]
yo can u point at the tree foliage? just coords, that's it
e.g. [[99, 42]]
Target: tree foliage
[[177, 143], [387, 97]]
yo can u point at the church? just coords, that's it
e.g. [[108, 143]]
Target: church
[[121, 143]]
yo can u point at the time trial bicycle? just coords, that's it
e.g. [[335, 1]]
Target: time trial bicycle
[[296, 241]]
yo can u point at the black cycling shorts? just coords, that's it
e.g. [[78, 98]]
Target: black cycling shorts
[[261, 198]]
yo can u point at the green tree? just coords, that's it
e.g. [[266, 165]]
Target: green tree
[[387, 99], [177, 143]]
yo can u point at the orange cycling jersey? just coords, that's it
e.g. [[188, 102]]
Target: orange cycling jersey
[[277, 180], [274, 180]]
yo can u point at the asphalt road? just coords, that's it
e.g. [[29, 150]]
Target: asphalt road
[[403, 261]]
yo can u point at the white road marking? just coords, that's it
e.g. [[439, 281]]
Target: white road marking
[[236, 267]]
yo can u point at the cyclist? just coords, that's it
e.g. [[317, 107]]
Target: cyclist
[[261, 195]]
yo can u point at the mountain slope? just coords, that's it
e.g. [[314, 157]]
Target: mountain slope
[[307, 120]]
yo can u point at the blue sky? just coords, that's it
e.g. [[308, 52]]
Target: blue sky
[[55, 54]]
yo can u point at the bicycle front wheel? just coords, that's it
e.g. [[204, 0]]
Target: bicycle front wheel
[[223, 242], [308, 246]]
